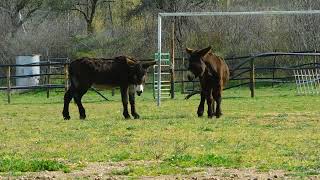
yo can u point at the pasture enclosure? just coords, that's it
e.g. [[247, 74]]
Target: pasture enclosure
[[262, 68], [275, 132], [50, 71], [264, 23], [252, 33]]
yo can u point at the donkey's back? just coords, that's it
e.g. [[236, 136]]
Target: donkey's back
[[99, 71]]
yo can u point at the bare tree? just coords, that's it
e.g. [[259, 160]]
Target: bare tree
[[87, 8], [20, 11]]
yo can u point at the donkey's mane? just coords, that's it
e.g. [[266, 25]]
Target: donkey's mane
[[126, 59]]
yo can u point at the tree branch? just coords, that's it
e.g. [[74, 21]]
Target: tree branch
[[29, 13], [82, 12], [21, 5], [93, 9]]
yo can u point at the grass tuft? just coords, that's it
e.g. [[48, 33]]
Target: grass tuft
[[20, 165], [208, 160], [123, 172]]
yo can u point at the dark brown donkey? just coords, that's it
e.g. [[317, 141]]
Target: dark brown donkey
[[124, 72], [213, 74]]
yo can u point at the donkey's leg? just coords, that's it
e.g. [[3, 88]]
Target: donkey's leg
[[209, 102], [133, 107], [124, 97], [201, 105], [214, 100], [67, 98], [77, 98], [218, 100], [132, 102]]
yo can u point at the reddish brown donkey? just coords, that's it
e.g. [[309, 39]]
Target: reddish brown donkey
[[213, 74]]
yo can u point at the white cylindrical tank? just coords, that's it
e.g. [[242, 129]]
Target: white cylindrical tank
[[28, 70]]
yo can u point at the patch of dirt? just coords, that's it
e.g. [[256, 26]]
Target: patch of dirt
[[101, 171]]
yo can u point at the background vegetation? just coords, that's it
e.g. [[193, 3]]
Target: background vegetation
[[71, 28]]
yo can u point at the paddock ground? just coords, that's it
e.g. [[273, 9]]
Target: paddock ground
[[274, 135]]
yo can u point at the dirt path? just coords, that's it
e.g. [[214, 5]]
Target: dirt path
[[99, 171]]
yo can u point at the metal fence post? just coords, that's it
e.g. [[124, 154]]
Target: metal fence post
[[172, 77], [9, 84]]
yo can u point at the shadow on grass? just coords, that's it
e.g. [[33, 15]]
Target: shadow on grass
[[164, 117], [61, 102]]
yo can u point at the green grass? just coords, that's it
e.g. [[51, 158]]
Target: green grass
[[274, 130], [19, 165]]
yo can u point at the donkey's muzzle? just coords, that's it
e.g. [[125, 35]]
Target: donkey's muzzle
[[139, 89], [139, 93], [190, 77]]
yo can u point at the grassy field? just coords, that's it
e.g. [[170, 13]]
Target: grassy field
[[275, 130]]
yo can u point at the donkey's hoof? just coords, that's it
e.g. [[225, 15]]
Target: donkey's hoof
[[82, 117], [218, 115], [200, 111], [136, 116], [65, 115], [126, 115], [210, 115]]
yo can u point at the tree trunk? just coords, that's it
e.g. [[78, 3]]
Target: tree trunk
[[90, 29]]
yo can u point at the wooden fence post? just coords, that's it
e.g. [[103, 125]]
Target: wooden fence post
[[48, 70], [9, 84], [66, 76], [48, 78], [273, 71], [315, 60], [182, 84], [252, 78], [112, 91]]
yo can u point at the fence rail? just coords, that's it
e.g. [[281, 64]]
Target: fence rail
[[244, 72], [34, 87], [33, 64], [247, 69], [47, 74]]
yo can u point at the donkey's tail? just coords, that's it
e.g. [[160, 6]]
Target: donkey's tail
[[72, 76], [191, 94]]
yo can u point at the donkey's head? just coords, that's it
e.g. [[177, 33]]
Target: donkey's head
[[137, 75], [196, 65]]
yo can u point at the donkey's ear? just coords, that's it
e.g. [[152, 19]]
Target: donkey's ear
[[125, 60], [146, 65], [204, 51], [189, 51], [130, 61]]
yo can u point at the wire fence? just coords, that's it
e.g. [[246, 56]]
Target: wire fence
[[307, 81]]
